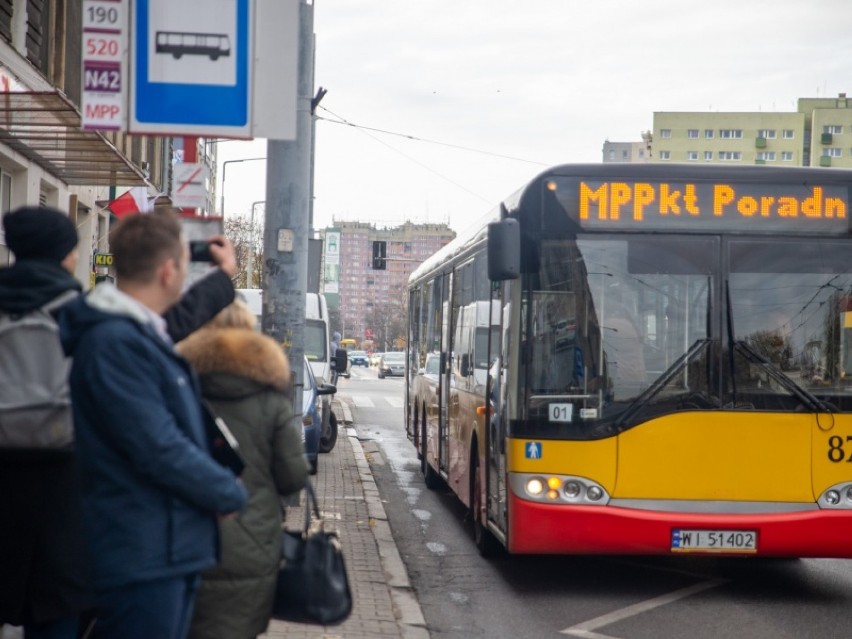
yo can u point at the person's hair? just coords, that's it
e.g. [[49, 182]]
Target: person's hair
[[140, 244], [236, 315]]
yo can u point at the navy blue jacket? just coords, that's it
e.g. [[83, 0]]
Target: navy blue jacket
[[151, 491]]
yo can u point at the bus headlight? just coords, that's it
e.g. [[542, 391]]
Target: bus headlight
[[535, 487], [837, 497], [573, 489], [558, 489]]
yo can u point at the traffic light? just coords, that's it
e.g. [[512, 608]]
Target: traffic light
[[380, 252]]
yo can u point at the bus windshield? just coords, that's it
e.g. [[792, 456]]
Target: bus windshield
[[624, 327]]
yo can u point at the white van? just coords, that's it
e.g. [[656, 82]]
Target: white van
[[319, 355]]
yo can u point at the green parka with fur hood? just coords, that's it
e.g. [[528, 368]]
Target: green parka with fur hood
[[246, 377]]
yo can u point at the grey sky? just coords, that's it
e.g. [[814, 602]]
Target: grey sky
[[543, 81]]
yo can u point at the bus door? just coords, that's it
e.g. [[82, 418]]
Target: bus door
[[446, 374], [495, 460]]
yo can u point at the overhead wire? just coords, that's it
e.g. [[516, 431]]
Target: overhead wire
[[365, 130]]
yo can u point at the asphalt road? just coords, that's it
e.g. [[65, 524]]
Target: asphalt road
[[463, 595]]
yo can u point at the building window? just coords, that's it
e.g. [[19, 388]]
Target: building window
[[731, 134], [786, 156], [665, 155], [692, 155], [708, 155], [832, 152], [665, 133], [835, 129], [612, 155], [730, 156], [708, 133], [5, 207], [692, 134], [766, 156], [769, 134], [788, 134]]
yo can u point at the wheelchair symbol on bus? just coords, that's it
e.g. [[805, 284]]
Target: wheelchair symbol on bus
[[533, 450]]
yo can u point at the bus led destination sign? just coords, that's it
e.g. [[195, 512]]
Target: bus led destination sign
[[709, 206]]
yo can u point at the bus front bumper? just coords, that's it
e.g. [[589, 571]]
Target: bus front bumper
[[540, 528]]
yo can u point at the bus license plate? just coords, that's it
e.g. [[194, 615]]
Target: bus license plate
[[684, 540]]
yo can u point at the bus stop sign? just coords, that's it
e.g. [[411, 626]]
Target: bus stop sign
[[190, 67]]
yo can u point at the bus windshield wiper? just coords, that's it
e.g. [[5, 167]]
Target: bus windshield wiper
[[679, 364], [783, 380]]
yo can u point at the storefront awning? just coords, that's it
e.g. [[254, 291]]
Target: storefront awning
[[45, 128]]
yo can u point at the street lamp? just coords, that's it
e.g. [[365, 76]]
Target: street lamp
[[250, 274], [224, 167]]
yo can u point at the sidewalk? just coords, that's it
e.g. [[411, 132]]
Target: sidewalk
[[385, 605]]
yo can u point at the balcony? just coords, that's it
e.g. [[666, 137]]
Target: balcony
[[825, 160], [760, 143], [826, 138]]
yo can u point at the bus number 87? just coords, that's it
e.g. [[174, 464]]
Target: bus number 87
[[835, 449]]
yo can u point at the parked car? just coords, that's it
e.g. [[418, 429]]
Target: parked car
[[312, 407], [392, 364], [359, 358]]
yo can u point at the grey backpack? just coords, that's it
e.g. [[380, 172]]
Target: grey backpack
[[35, 401]]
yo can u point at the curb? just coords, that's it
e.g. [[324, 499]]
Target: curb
[[407, 610]]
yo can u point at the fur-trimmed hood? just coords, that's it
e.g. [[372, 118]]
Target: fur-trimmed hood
[[237, 351]]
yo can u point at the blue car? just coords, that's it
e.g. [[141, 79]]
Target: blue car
[[312, 414], [359, 358]]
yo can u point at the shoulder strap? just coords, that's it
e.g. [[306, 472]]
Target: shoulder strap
[[60, 300]]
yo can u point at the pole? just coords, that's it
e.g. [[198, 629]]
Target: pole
[[285, 272], [250, 269]]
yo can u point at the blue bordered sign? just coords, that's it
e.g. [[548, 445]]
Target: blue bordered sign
[[190, 67], [532, 450]]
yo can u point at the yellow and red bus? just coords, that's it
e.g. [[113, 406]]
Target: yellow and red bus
[[644, 359]]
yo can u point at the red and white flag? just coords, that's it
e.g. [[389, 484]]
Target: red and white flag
[[136, 200]]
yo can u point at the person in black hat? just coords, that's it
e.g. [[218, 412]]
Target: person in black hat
[[43, 584]]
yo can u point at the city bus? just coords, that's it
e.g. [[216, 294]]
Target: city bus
[[666, 369], [348, 343]]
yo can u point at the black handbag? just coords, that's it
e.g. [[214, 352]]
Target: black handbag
[[312, 584], [224, 447]]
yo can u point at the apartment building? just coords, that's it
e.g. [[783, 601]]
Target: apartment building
[[818, 133], [750, 138], [627, 151], [358, 292], [45, 157]]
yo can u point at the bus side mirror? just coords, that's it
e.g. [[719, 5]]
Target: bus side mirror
[[341, 359], [504, 250]]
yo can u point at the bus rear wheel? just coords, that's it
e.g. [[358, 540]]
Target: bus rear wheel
[[486, 542]]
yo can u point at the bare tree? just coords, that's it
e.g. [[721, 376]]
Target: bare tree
[[246, 237], [388, 321]]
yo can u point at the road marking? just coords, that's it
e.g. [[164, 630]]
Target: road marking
[[362, 401], [587, 628], [396, 402]]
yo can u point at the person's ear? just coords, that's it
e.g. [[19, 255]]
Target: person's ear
[[167, 272]]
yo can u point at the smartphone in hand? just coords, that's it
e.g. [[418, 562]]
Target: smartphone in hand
[[199, 251]]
